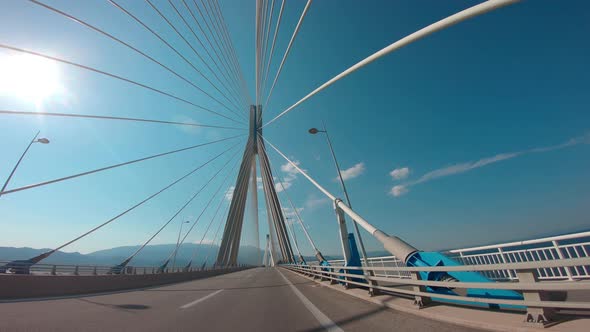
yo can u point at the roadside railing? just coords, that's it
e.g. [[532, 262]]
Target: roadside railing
[[568, 246], [561, 247], [539, 297], [377, 262], [14, 267]]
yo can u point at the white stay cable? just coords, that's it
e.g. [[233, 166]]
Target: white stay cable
[[236, 61], [442, 24], [288, 49], [356, 217], [272, 47], [299, 219], [265, 44], [257, 50], [223, 199], [314, 182]]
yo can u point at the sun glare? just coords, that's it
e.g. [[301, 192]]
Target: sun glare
[[29, 78]]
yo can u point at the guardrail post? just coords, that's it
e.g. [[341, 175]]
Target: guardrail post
[[419, 301], [535, 315], [332, 281], [153, 270], [501, 252], [568, 272], [383, 266], [76, 270], [53, 270], [94, 271]]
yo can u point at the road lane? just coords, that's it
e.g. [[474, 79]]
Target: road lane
[[326, 322], [251, 300], [195, 302]]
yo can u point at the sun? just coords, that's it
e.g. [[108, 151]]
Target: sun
[[29, 78]]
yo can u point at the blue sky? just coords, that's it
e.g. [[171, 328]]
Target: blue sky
[[482, 127]]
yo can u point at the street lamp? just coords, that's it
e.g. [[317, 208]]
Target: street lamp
[[314, 131], [178, 241], [34, 140]]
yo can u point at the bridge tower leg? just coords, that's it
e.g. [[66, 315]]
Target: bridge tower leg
[[230, 243]]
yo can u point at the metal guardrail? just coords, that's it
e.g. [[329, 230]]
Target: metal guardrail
[[88, 270], [376, 263], [539, 296], [568, 246], [561, 247]]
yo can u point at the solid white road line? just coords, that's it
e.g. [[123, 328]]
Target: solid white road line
[[326, 322], [188, 305]]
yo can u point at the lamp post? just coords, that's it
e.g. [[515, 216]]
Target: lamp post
[[34, 140], [178, 241], [314, 131]]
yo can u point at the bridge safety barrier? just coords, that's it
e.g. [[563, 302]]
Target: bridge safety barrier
[[541, 300], [87, 280]]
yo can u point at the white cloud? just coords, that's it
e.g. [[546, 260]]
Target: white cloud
[[290, 213], [313, 202], [398, 190], [289, 169], [285, 185], [464, 167], [353, 172], [229, 193], [205, 241], [584, 139], [471, 165], [188, 129], [259, 183], [400, 173], [288, 178]]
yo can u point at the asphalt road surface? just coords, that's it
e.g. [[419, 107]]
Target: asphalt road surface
[[262, 299]]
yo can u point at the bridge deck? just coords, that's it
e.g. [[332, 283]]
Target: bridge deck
[[252, 300]]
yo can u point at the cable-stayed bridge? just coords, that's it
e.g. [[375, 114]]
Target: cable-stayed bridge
[[512, 286]]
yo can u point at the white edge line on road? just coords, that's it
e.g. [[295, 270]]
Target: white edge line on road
[[326, 322], [188, 305]]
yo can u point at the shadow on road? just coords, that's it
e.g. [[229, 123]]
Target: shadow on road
[[120, 307], [133, 306]]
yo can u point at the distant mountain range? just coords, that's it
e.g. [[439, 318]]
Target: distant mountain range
[[152, 255]]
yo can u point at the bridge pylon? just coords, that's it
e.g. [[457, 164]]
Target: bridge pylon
[[230, 243]]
